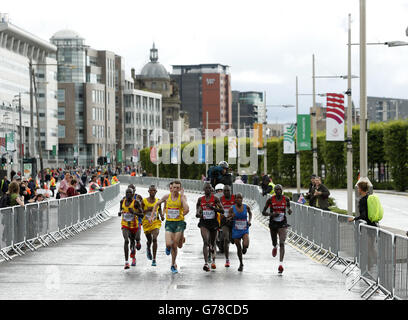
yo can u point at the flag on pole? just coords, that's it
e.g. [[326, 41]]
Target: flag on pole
[[232, 147], [174, 155], [335, 117], [153, 154], [289, 138], [201, 153]]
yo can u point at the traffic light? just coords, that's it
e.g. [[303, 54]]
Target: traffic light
[[100, 161], [3, 161], [105, 161]]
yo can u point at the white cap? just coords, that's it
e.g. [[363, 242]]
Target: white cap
[[219, 186]]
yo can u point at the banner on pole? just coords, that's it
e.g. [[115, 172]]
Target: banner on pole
[[258, 135], [174, 155], [10, 145], [289, 139], [232, 147], [335, 117], [304, 131], [119, 155], [201, 153], [153, 154]]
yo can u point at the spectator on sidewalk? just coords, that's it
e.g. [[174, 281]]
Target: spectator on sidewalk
[[310, 194], [238, 180], [255, 179], [321, 195], [64, 185], [14, 192], [71, 191], [4, 185], [362, 187]]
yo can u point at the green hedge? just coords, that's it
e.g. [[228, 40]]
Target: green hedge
[[387, 143]]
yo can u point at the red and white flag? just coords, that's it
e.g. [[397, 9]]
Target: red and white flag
[[335, 117]]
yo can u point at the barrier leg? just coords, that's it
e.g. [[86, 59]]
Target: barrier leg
[[17, 250], [5, 255], [373, 286]]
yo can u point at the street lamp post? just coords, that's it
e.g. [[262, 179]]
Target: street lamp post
[[314, 115], [273, 106]]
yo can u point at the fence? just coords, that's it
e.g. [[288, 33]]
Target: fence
[[381, 256], [39, 224]]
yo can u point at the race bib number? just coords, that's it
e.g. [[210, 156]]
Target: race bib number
[[173, 213], [241, 224], [208, 214], [128, 217], [148, 214], [279, 218]]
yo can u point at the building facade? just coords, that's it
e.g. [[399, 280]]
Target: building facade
[[88, 100], [143, 114], [154, 77], [251, 109], [18, 50], [205, 90], [386, 109]]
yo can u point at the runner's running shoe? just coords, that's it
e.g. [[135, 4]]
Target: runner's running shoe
[[280, 269], [213, 266], [149, 254], [244, 250], [241, 267], [227, 264], [154, 263], [168, 251], [133, 262], [127, 265], [132, 253], [274, 251], [206, 267], [173, 269]]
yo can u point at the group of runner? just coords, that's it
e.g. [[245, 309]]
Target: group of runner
[[217, 212]]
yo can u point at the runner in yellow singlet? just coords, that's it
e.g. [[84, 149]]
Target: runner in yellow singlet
[[151, 229], [129, 210], [176, 208]]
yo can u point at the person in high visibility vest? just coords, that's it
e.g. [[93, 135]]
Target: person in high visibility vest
[[53, 185], [271, 185], [114, 180], [106, 182]]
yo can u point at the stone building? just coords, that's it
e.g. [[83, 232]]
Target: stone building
[[155, 78]]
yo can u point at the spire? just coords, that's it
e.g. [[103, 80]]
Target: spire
[[154, 56]]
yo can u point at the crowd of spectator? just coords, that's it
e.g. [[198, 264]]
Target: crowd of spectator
[[54, 184]]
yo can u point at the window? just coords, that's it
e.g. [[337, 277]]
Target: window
[[93, 113], [61, 131]]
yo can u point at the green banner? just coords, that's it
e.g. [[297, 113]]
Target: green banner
[[119, 156], [54, 150], [304, 131]]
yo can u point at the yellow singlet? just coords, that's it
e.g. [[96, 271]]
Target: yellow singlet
[[174, 209], [156, 224], [129, 220]]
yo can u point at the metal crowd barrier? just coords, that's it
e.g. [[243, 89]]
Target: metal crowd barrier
[[39, 224], [381, 256]]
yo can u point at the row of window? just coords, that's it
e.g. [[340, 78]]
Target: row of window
[[132, 118]]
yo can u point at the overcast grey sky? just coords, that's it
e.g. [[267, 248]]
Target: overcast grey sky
[[266, 43]]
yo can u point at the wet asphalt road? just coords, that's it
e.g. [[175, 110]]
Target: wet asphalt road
[[89, 266]]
